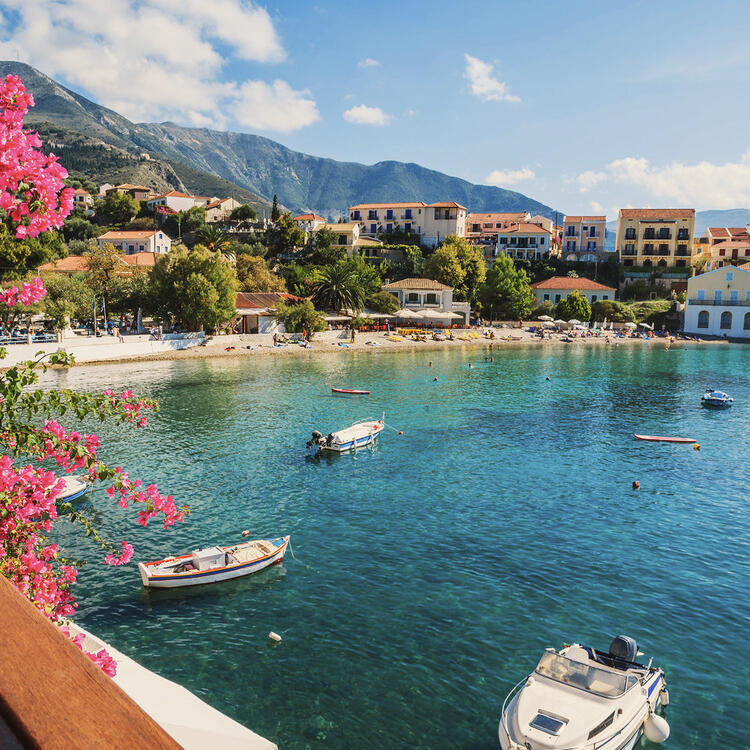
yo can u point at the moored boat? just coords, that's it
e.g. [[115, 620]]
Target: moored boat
[[350, 391], [360, 434], [579, 698], [663, 439], [716, 399], [214, 564], [75, 487]]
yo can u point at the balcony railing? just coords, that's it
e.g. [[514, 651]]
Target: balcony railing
[[720, 302]]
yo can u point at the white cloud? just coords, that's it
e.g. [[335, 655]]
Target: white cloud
[[364, 115], [700, 185], [483, 84], [274, 107], [501, 177], [154, 61], [597, 207], [368, 62], [587, 180]]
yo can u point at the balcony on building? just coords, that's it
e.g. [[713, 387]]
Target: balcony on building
[[372, 215]]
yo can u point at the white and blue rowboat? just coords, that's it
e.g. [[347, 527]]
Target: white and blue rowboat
[[716, 399], [360, 434], [75, 487], [582, 699], [214, 564]]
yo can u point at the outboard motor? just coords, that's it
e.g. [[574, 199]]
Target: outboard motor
[[624, 648], [329, 438], [316, 438]]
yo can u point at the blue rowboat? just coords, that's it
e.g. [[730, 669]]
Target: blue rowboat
[[360, 434], [716, 399]]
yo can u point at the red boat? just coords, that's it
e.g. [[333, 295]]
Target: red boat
[[350, 391], [659, 439]]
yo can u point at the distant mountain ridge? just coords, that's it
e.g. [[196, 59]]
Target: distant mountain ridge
[[260, 165]]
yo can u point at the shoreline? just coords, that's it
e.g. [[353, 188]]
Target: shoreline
[[364, 343]]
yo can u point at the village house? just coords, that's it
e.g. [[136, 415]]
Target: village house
[[348, 237], [178, 201], [649, 237], [254, 312], [138, 192], [718, 303], [559, 287], [726, 246], [220, 209], [309, 222], [483, 227], [82, 199], [147, 240], [432, 222], [431, 296], [583, 237], [524, 241]]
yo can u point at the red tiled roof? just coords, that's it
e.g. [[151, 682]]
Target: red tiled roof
[[142, 260], [262, 301], [745, 266], [567, 282], [309, 217], [173, 194], [447, 204], [415, 204], [496, 216], [81, 191], [524, 228], [578, 219], [135, 235], [71, 264], [729, 232], [654, 214]]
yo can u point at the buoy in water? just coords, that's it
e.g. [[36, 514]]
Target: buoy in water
[[696, 447], [400, 432], [636, 485], [274, 637], [656, 728], [245, 533], [435, 379]]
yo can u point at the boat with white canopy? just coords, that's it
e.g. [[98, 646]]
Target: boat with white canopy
[[214, 564], [582, 699], [360, 434], [75, 487]]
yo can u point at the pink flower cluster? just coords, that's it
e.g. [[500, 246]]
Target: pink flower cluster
[[32, 291], [129, 404], [101, 658], [32, 188]]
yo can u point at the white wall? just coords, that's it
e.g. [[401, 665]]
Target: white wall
[[738, 313]]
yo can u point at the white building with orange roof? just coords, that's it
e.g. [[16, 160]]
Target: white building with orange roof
[[483, 227], [178, 201], [219, 209], [524, 240], [559, 287], [145, 241], [433, 222], [583, 237], [309, 222]]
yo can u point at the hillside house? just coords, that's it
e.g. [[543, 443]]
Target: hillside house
[[128, 243]]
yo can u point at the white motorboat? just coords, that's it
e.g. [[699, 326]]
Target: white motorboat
[[716, 399], [214, 564], [75, 487], [361, 433], [582, 699]]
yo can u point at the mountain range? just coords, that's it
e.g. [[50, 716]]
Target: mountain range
[[100, 143]]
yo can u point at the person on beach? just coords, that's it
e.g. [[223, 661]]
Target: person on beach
[[352, 334]]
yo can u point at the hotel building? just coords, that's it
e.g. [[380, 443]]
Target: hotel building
[[655, 236]]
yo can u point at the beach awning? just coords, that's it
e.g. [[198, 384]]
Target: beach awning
[[337, 318], [435, 314], [407, 314]]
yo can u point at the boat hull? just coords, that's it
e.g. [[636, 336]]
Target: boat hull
[[661, 439], [708, 403], [199, 578], [352, 444], [350, 392]]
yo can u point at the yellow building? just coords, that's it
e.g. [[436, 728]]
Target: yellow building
[[655, 236], [347, 236]]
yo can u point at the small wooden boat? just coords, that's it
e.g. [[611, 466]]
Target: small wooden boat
[[75, 487], [350, 391], [660, 439], [362, 433], [214, 564]]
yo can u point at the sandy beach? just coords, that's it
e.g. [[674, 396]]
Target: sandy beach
[[374, 343]]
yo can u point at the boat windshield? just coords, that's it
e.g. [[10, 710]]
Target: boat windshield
[[585, 676]]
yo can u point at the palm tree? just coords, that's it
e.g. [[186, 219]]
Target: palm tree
[[213, 238], [339, 288]]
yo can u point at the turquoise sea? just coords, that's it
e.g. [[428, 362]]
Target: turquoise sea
[[432, 571]]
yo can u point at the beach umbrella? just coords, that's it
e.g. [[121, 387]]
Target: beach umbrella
[[574, 322], [452, 315], [646, 325], [407, 314], [548, 324], [559, 322], [630, 325], [546, 318]]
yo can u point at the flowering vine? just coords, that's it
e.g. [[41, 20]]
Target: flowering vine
[[34, 200]]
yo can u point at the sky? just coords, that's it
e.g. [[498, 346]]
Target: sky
[[585, 106]]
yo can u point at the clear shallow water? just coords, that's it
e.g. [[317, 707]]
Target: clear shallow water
[[432, 571]]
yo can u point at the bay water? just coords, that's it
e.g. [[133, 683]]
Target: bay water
[[432, 571]]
